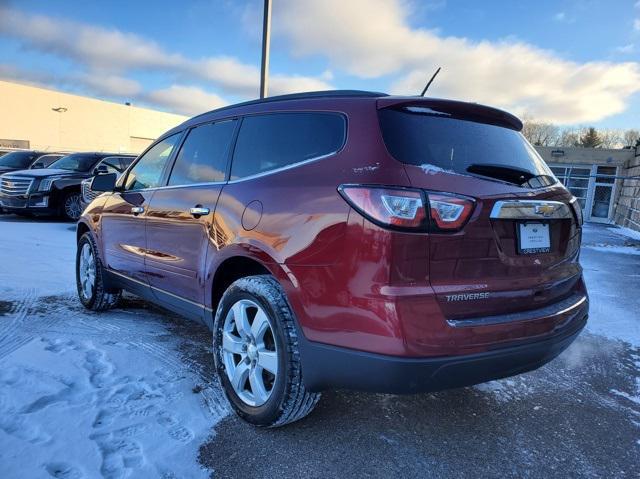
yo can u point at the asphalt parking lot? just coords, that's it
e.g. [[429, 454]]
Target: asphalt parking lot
[[131, 393]]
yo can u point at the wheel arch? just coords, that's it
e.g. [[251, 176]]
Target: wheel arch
[[240, 262], [81, 229], [232, 269]]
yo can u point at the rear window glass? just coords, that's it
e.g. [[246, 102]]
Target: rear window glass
[[268, 142], [17, 159], [418, 136], [75, 162]]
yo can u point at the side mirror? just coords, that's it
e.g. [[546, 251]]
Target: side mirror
[[101, 170], [104, 182]]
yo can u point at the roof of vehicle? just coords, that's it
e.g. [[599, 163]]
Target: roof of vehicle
[[34, 152], [97, 154], [383, 99]]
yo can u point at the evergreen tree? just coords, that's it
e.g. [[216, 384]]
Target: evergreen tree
[[590, 139]]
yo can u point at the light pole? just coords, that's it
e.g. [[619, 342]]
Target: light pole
[[266, 40]]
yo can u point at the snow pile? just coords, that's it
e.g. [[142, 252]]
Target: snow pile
[[629, 233], [608, 248]]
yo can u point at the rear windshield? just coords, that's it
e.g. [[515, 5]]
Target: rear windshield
[[436, 140], [18, 159], [75, 162]]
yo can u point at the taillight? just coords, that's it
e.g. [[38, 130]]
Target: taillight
[[449, 212], [400, 208], [405, 208], [577, 209]]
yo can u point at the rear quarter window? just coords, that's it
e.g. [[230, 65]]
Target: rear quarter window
[[275, 140]]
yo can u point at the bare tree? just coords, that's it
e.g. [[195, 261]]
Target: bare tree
[[570, 137], [610, 138], [540, 133], [630, 138]]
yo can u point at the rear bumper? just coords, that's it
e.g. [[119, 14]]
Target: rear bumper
[[329, 367]]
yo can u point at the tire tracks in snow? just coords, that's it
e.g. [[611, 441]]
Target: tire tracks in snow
[[12, 336]]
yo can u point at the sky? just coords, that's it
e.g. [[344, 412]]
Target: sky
[[567, 61]]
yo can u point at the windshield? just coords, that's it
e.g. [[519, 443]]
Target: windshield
[[18, 159], [418, 137], [75, 162]]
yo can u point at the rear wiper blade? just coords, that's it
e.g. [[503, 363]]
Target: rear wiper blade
[[539, 181], [510, 174]]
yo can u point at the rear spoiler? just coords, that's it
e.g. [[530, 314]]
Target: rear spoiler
[[458, 109]]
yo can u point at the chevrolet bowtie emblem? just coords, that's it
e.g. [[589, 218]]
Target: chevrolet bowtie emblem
[[544, 210]]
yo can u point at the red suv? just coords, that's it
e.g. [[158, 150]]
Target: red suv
[[345, 240]]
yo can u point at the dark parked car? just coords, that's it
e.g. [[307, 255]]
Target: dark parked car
[[345, 240], [22, 160], [52, 191], [111, 164]]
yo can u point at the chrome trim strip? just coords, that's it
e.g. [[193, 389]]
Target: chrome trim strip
[[568, 305], [530, 210], [173, 187], [284, 168], [161, 290]]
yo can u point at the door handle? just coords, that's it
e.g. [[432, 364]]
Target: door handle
[[136, 210], [199, 211]]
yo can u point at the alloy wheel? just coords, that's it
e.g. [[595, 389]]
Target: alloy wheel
[[87, 272], [72, 207], [249, 352]]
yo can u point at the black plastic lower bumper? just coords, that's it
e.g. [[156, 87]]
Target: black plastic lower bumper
[[29, 204], [328, 367]]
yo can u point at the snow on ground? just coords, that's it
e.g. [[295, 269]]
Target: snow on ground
[[612, 272], [91, 395], [36, 255]]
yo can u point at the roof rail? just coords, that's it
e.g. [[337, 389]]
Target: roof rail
[[302, 96]]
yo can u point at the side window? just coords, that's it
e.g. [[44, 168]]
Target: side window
[[112, 164], [271, 141], [147, 172], [203, 156], [125, 162]]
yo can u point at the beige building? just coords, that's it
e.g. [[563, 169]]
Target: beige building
[[606, 182], [42, 119]]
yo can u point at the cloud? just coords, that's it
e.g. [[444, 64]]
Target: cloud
[[244, 80], [111, 85], [628, 48], [183, 99], [108, 54], [514, 75], [636, 24], [560, 16], [188, 100], [90, 45]]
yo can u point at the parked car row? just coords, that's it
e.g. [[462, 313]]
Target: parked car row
[[36, 183]]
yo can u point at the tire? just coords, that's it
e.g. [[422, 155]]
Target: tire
[[287, 399], [95, 297], [71, 207]]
